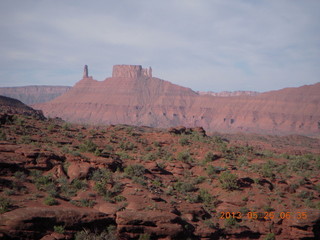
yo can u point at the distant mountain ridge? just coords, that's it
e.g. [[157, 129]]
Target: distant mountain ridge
[[34, 94], [229, 94], [133, 96]]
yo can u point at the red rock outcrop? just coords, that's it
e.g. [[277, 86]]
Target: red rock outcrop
[[13, 106], [132, 96]]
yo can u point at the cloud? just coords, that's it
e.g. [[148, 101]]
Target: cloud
[[206, 45]]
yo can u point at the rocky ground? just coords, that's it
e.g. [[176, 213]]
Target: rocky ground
[[65, 181]]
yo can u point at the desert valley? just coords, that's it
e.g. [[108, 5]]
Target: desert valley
[[137, 157]]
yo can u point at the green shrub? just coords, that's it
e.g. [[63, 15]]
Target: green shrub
[[230, 222], [88, 146], [206, 197], [270, 236], [102, 175], [109, 148], [120, 198], [213, 170], [228, 181], [299, 164], [50, 201], [199, 179], [109, 234], [135, 170], [66, 126], [184, 141], [3, 136], [144, 236], [243, 161], [184, 187], [306, 195], [149, 157], [209, 157], [185, 157], [127, 146], [59, 229], [5, 205], [21, 176]]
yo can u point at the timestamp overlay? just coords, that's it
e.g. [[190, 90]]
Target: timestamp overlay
[[263, 215]]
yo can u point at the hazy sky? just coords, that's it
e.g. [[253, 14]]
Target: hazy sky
[[206, 45]]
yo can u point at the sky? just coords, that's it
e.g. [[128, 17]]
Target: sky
[[206, 45]]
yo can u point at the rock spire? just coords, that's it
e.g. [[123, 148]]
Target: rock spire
[[85, 71]]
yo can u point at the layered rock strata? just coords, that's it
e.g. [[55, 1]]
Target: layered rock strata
[[132, 96]]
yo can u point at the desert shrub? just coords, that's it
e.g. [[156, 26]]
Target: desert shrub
[[59, 229], [268, 208], [205, 197], [299, 164], [66, 189], [88, 146], [184, 141], [209, 223], [21, 176], [41, 181], [109, 148], [3, 136], [127, 146], [124, 155], [213, 170], [209, 157], [109, 234], [199, 179], [157, 144], [83, 203], [18, 120], [149, 157], [148, 148], [267, 169], [139, 180], [134, 170], [79, 184], [102, 175], [184, 187], [185, 157], [306, 195], [317, 187], [243, 161], [270, 236], [5, 205], [230, 222], [145, 236], [120, 198], [244, 210], [50, 201], [66, 126], [26, 139], [228, 181]]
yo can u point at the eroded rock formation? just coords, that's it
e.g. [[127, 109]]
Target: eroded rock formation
[[133, 96]]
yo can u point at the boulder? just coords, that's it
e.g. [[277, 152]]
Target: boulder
[[79, 170]]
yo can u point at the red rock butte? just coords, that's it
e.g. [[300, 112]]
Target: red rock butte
[[133, 96]]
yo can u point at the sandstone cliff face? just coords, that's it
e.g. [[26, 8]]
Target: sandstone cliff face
[[133, 96], [34, 94]]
